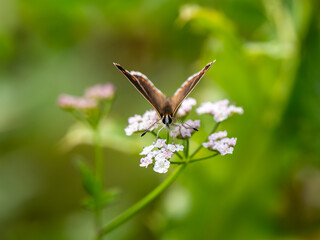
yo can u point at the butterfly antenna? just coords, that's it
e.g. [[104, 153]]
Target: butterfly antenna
[[185, 124], [147, 130]]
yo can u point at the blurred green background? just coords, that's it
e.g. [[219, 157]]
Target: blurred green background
[[268, 61]]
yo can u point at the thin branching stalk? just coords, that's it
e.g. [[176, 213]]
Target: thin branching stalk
[[125, 216], [200, 146], [186, 150], [178, 155], [194, 160], [99, 170]]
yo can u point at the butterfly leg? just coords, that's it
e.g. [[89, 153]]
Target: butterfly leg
[[149, 128], [171, 131], [176, 125], [185, 124], [159, 132]]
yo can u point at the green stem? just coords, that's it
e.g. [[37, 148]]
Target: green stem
[[99, 164], [122, 218], [179, 156], [200, 146], [99, 167], [194, 160], [186, 150], [203, 158]]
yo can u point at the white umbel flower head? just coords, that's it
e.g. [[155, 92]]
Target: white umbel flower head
[[220, 110], [160, 153], [219, 142]]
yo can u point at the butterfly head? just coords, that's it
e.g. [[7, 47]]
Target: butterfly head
[[167, 120]]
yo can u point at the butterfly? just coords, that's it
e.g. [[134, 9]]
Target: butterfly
[[166, 107]]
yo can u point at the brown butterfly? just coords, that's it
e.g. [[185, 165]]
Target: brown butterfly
[[166, 107]]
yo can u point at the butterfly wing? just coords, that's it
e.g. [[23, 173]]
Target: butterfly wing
[[153, 95], [187, 87]]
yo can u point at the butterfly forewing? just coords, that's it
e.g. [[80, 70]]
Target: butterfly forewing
[[154, 96], [187, 87]]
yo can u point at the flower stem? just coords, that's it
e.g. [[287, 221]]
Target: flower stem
[[200, 146], [99, 167], [186, 150], [122, 218], [203, 158], [99, 164], [179, 156], [194, 160]]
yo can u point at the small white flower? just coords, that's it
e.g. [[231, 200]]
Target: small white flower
[[160, 156], [186, 107], [160, 143], [171, 147], [146, 161], [179, 147], [219, 110], [147, 150], [166, 154], [161, 166], [175, 148], [154, 153]]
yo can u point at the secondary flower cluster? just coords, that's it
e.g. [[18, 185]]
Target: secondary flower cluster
[[160, 153], [91, 107], [69, 102], [220, 110], [219, 142], [99, 92]]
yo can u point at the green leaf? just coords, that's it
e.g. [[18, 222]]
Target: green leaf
[[89, 181]]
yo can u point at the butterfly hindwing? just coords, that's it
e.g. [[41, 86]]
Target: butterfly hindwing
[[187, 87], [154, 96]]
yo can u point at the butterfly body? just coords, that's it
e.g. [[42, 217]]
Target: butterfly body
[[166, 107]]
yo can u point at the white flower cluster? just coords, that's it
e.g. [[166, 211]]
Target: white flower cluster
[[219, 142], [186, 107], [185, 130], [160, 152], [220, 110], [90, 100], [141, 123]]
